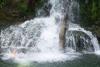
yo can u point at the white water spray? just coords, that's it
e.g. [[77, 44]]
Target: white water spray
[[38, 39]]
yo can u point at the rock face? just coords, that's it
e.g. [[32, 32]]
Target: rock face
[[98, 37], [79, 41], [62, 32]]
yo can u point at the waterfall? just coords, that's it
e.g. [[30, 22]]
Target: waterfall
[[38, 39], [79, 38]]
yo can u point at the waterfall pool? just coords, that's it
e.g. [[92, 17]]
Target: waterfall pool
[[85, 60]]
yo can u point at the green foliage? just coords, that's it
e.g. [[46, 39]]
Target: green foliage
[[22, 6], [89, 12], [39, 3], [27, 8], [19, 10], [94, 10], [2, 3]]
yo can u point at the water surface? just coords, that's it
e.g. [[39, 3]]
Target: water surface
[[87, 60]]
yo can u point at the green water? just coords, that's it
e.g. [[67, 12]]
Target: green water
[[82, 61]]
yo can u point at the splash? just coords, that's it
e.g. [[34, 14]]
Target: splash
[[37, 40]]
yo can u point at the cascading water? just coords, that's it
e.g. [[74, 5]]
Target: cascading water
[[76, 37], [38, 38], [79, 39]]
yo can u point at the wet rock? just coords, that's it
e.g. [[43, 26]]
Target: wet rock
[[79, 41], [98, 37]]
